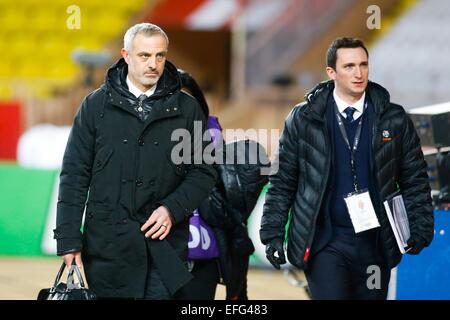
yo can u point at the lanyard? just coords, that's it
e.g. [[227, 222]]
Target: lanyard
[[355, 143]]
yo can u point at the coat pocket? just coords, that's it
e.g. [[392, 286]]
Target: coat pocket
[[105, 178], [101, 159], [99, 232], [178, 169]]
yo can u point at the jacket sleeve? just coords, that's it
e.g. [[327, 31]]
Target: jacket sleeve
[[74, 181], [283, 184], [414, 185], [200, 177]]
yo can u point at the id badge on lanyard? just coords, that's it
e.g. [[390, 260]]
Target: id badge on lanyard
[[362, 213], [359, 204]]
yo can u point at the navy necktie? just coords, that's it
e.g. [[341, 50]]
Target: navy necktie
[[349, 112]]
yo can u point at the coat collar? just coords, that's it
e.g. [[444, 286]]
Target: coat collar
[[316, 99], [116, 87]]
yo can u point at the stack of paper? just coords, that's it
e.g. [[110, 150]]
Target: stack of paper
[[398, 218]]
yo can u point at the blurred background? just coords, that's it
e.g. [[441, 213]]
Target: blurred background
[[254, 59]]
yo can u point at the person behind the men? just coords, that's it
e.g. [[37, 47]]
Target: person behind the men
[[205, 272], [118, 158], [344, 151], [226, 211]]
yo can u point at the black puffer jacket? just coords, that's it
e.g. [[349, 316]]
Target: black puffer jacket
[[304, 168], [126, 166]]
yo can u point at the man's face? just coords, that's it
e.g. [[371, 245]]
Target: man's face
[[351, 74], [146, 60]]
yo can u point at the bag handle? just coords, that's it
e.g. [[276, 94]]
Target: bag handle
[[70, 278], [58, 276]]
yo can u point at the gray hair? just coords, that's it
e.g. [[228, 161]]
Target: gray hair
[[146, 28]]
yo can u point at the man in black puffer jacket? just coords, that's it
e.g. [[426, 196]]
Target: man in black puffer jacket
[[346, 138]]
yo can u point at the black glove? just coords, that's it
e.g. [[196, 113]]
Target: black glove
[[275, 245], [416, 245], [241, 241]]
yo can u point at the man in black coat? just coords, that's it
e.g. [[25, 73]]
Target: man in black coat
[[120, 158], [343, 152]]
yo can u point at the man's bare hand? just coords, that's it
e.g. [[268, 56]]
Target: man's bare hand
[[68, 258], [159, 222]]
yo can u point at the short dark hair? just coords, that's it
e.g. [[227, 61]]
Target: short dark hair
[[343, 42]]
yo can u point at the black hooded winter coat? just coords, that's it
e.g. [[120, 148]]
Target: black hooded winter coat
[[123, 167]]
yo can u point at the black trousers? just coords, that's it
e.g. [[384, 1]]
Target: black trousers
[[348, 267], [155, 288], [203, 285]]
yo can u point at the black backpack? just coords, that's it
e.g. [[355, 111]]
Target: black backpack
[[243, 172], [243, 175]]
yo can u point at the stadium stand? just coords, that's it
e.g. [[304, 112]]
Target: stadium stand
[[38, 38], [411, 57]]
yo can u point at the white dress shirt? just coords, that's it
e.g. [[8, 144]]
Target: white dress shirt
[[136, 92], [342, 105]]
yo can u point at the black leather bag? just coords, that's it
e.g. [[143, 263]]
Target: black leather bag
[[69, 290]]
